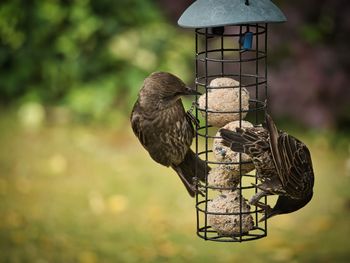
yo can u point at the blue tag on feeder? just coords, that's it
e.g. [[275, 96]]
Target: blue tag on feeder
[[247, 40]]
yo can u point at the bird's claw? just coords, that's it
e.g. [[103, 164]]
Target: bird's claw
[[255, 199], [195, 187], [267, 210], [263, 206]]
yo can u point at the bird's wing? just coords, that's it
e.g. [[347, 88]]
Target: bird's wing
[[273, 140], [252, 141], [136, 121], [297, 173]]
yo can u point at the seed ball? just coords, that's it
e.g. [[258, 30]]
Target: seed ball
[[223, 153], [228, 225], [224, 100], [224, 176]]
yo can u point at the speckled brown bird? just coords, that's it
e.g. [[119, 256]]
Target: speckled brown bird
[[165, 130], [283, 165]]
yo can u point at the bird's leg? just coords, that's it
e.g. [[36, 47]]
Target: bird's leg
[[190, 186], [267, 209]]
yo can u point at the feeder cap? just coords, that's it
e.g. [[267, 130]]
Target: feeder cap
[[215, 13]]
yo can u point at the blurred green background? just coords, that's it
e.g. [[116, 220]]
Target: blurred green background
[[75, 184]]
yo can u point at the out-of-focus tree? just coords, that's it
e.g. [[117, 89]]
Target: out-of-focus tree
[[92, 56], [88, 55]]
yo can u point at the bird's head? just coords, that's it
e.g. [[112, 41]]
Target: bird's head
[[163, 89], [286, 205]]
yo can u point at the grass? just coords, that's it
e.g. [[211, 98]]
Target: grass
[[75, 193]]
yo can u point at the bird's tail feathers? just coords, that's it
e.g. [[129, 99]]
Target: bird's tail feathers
[[187, 171]]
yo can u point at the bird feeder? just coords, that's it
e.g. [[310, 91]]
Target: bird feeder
[[231, 72]]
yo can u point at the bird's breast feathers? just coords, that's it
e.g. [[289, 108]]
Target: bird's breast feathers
[[166, 134]]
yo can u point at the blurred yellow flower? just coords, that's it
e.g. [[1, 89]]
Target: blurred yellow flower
[[57, 164], [124, 45], [117, 203], [145, 59], [31, 115]]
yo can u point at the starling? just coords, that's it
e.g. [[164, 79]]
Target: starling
[[283, 165], [164, 129]]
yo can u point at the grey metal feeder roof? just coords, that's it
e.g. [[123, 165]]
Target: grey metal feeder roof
[[214, 13]]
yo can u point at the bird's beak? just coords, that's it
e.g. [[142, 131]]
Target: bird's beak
[[189, 91]]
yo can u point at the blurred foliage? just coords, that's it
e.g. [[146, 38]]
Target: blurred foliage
[[91, 57], [88, 55]]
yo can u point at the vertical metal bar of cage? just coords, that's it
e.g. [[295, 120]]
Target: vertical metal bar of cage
[[266, 108], [197, 159], [206, 132], [265, 198], [256, 103], [222, 54], [257, 73], [240, 126]]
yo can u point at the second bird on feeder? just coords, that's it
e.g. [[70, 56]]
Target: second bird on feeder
[[283, 164], [165, 130]]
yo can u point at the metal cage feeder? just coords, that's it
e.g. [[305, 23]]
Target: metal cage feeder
[[231, 42]]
